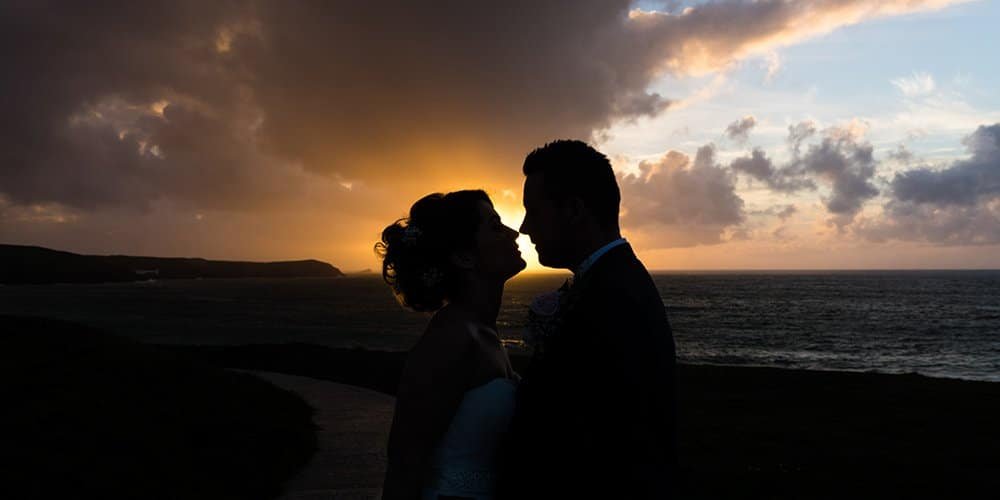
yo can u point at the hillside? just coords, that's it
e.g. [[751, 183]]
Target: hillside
[[36, 265]]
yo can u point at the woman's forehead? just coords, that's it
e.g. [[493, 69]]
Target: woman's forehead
[[486, 211]]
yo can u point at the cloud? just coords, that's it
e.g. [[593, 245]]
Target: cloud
[[917, 84], [677, 202], [848, 166], [787, 179], [394, 93], [929, 108], [782, 212], [708, 36], [118, 105], [739, 130], [772, 65], [958, 204], [841, 160], [786, 212], [955, 205], [798, 133], [940, 225], [965, 182], [291, 127], [901, 155]]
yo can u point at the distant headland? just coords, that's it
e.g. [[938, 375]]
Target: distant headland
[[37, 265]]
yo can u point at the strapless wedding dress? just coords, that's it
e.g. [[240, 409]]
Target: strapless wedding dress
[[464, 462]]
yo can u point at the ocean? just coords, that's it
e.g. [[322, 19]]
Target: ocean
[[936, 323]]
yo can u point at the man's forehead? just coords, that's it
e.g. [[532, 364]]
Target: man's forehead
[[533, 183]]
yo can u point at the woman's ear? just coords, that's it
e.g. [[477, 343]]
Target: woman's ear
[[463, 260]]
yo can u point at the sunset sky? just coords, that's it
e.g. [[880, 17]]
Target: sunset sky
[[761, 134]]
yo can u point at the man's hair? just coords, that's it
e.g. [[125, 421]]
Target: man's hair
[[573, 168]]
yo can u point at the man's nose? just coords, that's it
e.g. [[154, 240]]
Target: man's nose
[[524, 225]]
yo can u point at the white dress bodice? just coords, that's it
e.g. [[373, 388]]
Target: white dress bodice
[[464, 462]]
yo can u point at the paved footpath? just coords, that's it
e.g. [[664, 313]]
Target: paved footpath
[[354, 427]]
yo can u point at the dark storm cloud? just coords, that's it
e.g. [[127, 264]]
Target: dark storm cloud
[[259, 91], [739, 130], [82, 80], [682, 202]]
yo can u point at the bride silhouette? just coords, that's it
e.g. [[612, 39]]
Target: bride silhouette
[[451, 256]]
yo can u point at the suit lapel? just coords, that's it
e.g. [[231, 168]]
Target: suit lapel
[[579, 300]]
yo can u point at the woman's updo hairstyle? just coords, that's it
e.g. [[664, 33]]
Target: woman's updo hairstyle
[[416, 251]]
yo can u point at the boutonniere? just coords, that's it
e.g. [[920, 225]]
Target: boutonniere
[[545, 314]]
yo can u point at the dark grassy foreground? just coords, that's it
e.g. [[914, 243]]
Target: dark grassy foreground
[[89, 415], [767, 433]]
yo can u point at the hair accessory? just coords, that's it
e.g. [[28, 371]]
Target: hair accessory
[[432, 276], [410, 235]]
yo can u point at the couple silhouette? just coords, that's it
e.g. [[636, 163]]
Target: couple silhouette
[[594, 413]]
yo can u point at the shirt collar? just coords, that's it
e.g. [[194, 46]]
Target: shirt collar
[[589, 261]]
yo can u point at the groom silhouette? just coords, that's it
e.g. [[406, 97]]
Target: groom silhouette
[[595, 408]]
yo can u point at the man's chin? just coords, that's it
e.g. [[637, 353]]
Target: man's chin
[[548, 261]]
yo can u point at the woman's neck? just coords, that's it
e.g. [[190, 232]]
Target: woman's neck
[[481, 300]]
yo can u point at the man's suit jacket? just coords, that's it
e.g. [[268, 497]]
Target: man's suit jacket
[[595, 412]]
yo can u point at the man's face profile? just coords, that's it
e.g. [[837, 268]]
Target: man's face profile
[[543, 222]]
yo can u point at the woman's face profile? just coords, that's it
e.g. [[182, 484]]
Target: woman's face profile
[[498, 254]]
